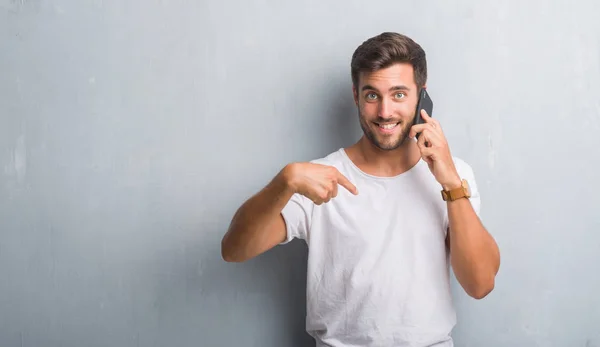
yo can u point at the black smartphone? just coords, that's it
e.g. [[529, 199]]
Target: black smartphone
[[424, 103]]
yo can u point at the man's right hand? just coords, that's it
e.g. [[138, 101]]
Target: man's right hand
[[317, 182], [258, 224]]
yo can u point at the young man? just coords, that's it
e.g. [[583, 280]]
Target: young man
[[383, 218]]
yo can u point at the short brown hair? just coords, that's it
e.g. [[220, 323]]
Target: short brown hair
[[385, 49]]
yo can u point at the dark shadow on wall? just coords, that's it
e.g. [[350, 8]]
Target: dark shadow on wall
[[262, 302], [340, 127], [204, 300]]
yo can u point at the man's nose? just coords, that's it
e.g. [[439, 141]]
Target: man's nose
[[385, 109]]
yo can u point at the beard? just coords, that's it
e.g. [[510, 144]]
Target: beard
[[384, 142]]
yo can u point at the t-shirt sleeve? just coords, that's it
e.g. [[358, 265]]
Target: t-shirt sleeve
[[466, 172], [297, 216]]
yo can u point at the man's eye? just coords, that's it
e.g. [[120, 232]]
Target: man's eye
[[371, 96], [400, 95]]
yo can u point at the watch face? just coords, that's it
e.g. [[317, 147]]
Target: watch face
[[465, 185]]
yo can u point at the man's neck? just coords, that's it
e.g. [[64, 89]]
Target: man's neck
[[384, 163]]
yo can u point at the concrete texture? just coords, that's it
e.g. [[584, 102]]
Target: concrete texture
[[130, 131]]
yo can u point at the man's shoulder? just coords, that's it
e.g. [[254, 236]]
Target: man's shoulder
[[462, 166], [335, 158]]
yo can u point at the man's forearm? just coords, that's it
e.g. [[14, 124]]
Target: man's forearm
[[474, 253], [256, 226]]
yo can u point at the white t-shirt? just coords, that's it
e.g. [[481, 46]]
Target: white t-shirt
[[378, 268]]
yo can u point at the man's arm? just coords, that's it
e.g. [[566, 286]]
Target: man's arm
[[258, 225], [474, 254]]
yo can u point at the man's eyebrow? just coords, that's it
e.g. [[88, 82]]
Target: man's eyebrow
[[400, 87]]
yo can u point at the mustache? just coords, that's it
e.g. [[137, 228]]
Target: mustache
[[380, 119], [386, 120]]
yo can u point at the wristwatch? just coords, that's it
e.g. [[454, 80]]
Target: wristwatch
[[457, 193]]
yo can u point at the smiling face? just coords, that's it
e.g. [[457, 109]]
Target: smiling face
[[386, 101]]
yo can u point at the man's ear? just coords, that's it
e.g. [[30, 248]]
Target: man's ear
[[355, 94]]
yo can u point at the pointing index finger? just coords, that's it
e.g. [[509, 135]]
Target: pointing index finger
[[345, 182]]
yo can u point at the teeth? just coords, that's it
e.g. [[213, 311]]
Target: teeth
[[388, 126]]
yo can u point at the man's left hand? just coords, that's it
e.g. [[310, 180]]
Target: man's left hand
[[435, 151]]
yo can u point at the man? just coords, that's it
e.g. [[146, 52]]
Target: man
[[383, 218]]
